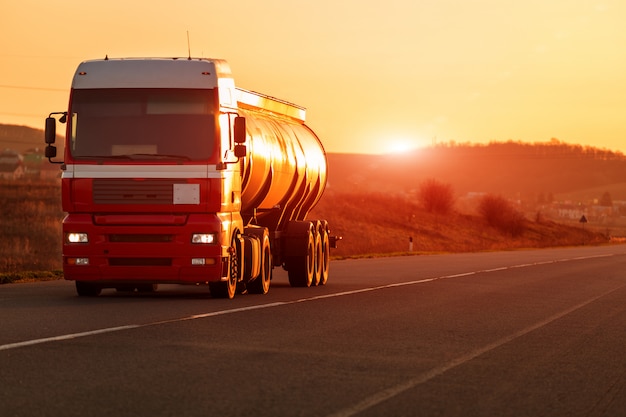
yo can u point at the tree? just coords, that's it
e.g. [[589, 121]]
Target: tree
[[501, 214], [606, 200], [436, 197]]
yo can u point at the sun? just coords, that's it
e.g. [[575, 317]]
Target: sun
[[399, 146]]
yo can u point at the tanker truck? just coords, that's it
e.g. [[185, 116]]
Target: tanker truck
[[173, 175]]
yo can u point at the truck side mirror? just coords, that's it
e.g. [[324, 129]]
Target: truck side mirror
[[51, 130], [240, 151], [240, 129], [51, 136], [51, 152]]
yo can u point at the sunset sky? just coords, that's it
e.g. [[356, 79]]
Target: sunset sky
[[374, 75]]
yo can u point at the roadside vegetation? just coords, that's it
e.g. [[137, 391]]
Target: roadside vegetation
[[500, 214], [373, 224], [30, 276], [30, 220]]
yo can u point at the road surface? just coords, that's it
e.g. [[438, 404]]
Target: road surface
[[522, 333]]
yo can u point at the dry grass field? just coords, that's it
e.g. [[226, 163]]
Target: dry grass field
[[374, 224], [30, 220]]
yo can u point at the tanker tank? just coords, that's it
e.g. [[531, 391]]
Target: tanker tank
[[285, 170]]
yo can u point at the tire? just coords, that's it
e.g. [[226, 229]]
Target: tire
[[301, 269], [261, 285], [86, 289], [228, 288], [325, 258], [317, 260]]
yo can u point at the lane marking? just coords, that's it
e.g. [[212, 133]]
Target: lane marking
[[60, 338], [394, 391], [67, 336]]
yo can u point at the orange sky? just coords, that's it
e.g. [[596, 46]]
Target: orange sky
[[372, 75]]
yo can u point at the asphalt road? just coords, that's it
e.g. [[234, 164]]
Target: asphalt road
[[524, 333]]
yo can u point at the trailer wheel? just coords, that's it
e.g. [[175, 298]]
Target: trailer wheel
[[317, 251], [86, 289], [228, 288], [261, 285], [325, 258], [302, 268]]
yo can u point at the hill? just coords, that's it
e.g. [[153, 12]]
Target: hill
[[20, 138], [512, 169], [23, 138]]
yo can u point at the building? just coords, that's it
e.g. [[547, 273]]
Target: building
[[11, 165]]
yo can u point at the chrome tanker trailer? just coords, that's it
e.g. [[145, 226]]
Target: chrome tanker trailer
[[171, 174]]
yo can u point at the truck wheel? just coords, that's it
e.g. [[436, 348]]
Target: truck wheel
[[228, 288], [325, 261], [302, 268], [86, 289], [317, 251], [261, 285]]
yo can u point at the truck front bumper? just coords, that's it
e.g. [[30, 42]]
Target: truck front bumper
[[143, 249]]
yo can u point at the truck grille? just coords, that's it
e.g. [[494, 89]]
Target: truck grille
[[127, 191], [140, 261], [157, 238]]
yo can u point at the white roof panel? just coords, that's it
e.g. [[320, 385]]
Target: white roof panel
[[150, 73]]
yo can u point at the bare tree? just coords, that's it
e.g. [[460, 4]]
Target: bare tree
[[436, 197]]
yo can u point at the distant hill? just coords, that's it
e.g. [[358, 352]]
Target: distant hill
[[20, 138], [511, 169], [24, 138]]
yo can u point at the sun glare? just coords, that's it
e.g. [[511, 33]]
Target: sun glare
[[399, 146]]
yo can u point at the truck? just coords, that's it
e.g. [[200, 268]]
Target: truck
[[173, 175]]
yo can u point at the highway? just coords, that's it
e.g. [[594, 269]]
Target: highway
[[520, 333]]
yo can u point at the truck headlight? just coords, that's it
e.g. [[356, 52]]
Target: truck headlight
[[203, 238], [77, 238]]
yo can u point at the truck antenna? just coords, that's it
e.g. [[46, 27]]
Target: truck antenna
[[188, 47]]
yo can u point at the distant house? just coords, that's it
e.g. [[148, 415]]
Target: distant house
[[32, 162], [11, 165], [569, 211]]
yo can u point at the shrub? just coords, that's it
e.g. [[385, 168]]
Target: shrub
[[436, 197], [500, 214]]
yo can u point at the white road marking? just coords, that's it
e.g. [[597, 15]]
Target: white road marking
[[391, 392], [282, 303], [67, 337]]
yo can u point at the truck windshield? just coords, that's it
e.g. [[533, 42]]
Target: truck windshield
[[141, 124]]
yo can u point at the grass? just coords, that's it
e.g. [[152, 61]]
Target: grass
[[372, 225], [30, 220], [30, 276]]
